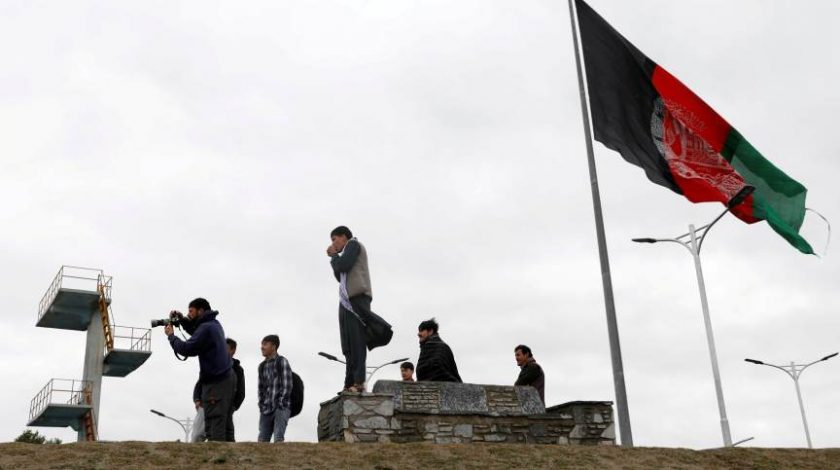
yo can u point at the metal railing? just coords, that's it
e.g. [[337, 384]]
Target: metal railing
[[61, 391], [132, 338], [74, 277]]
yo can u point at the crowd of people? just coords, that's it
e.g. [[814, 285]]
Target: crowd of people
[[220, 389]]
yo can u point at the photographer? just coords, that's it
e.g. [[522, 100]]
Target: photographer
[[217, 379]]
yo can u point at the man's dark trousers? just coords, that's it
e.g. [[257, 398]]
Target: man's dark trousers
[[217, 399], [353, 341]]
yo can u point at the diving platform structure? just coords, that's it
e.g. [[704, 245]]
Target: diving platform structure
[[79, 299]]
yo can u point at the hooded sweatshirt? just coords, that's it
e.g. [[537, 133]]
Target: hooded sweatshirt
[[208, 343]]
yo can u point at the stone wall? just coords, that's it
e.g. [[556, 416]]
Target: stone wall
[[461, 413]]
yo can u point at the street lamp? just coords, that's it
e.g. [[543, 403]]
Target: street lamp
[[185, 424], [693, 244], [794, 371], [375, 368]]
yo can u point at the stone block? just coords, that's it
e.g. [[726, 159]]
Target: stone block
[[609, 433], [374, 422], [495, 437], [386, 408], [597, 418], [443, 440], [351, 408], [431, 427], [463, 430], [537, 430], [450, 398], [578, 432]]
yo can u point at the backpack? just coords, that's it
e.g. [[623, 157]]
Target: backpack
[[297, 394]]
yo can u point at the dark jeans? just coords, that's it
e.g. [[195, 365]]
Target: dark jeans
[[274, 423], [217, 399], [353, 344]]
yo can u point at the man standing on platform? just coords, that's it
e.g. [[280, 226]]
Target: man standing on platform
[[531, 373], [360, 328]]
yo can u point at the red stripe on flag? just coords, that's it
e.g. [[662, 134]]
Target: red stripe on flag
[[695, 114], [692, 135]]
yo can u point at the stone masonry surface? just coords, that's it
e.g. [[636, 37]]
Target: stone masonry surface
[[460, 413]]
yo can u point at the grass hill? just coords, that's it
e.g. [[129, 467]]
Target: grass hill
[[147, 455]]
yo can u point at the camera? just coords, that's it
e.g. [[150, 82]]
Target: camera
[[175, 319]]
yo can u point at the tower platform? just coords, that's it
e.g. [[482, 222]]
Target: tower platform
[[71, 309], [121, 362], [132, 347], [61, 403], [72, 299]]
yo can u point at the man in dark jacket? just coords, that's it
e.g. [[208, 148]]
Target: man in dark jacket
[[436, 362], [239, 394], [530, 372], [218, 381], [360, 328]]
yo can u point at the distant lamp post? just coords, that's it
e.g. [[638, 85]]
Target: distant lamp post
[[693, 242], [375, 368], [185, 424], [794, 371]]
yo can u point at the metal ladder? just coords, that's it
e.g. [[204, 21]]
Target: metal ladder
[[88, 419], [105, 314]]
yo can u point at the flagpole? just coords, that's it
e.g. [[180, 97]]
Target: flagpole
[[609, 302]]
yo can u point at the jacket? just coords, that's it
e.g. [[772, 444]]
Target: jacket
[[208, 343], [436, 362], [532, 374], [378, 332], [354, 262]]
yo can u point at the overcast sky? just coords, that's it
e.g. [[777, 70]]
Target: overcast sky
[[191, 149]]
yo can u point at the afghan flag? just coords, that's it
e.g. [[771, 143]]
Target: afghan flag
[[655, 122]]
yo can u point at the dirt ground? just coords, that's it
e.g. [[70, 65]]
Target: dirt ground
[[147, 455]]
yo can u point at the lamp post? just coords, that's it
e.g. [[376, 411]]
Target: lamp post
[[794, 371], [185, 424], [375, 368], [693, 242]]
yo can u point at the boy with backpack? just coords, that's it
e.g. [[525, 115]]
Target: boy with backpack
[[274, 391]]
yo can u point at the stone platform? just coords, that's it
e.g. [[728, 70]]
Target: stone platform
[[444, 412]]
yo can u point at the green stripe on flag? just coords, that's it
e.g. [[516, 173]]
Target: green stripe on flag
[[778, 198]]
